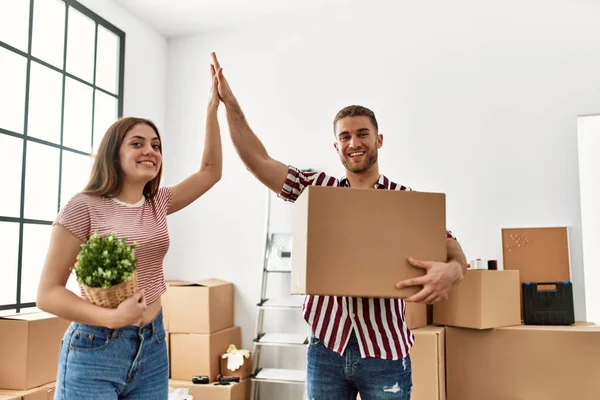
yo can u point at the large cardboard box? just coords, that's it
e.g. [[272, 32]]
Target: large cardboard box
[[539, 254], [29, 349], [194, 354], [523, 363], [234, 391], [356, 242], [482, 300], [44, 392], [200, 307], [428, 364]]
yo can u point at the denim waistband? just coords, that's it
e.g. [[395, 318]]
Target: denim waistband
[[148, 330]]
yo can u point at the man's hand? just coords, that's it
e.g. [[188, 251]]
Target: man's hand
[[223, 88], [437, 283]]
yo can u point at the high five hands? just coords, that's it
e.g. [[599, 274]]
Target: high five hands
[[224, 91]]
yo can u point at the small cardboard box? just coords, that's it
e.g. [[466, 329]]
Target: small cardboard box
[[482, 300], [44, 392], [200, 307], [523, 362], [29, 349], [356, 242], [416, 315], [429, 364], [194, 354], [539, 254], [233, 391]]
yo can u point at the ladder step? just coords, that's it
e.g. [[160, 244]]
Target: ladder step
[[282, 339], [291, 303], [279, 270], [275, 375]]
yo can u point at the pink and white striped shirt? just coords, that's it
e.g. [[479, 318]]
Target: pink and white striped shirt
[[144, 222], [379, 324]]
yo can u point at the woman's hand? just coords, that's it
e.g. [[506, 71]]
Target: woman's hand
[[214, 100], [129, 312]]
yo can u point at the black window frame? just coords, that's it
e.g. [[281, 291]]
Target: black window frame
[[98, 21]]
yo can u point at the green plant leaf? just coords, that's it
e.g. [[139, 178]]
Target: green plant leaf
[[105, 261]]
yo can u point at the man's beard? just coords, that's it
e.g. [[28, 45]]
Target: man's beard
[[370, 159]]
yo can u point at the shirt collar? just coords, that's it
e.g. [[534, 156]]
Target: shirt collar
[[382, 183]]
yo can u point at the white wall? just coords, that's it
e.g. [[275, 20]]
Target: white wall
[[145, 62], [588, 128], [475, 99]]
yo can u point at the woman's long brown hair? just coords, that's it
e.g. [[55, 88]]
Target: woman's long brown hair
[[106, 178]]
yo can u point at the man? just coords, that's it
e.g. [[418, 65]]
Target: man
[[357, 345]]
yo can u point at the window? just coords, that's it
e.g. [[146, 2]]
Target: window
[[61, 86]]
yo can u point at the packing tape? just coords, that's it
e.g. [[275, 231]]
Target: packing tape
[[479, 264]]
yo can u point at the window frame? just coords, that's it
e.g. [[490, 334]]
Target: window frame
[[21, 220]]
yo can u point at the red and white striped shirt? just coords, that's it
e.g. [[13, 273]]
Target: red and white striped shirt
[[379, 324], [143, 222]]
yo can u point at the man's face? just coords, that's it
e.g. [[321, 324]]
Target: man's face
[[357, 143]]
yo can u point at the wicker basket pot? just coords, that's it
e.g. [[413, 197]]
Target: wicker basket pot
[[113, 296]]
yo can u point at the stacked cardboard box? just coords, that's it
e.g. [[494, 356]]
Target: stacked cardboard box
[[475, 346], [29, 352], [200, 320], [491, 354]]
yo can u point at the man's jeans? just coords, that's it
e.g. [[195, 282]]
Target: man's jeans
[[335, 377]]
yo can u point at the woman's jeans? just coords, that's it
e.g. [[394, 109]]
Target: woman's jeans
[[101, 364]]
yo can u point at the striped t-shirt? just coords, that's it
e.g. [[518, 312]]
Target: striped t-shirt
[[378, 323], [142, 222]]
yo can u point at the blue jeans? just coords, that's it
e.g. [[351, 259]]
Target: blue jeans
[[101, 364], [334, 377]]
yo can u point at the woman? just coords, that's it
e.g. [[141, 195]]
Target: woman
[[121, 353]]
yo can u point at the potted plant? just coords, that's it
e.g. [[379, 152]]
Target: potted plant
[[106, 268]]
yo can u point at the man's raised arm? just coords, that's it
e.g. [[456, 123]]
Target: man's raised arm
[[270, 172]]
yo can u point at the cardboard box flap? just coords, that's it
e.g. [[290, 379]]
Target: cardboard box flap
[[556, 328], [35, 316], [41, 392], [432, 330], [203, 283], [175, 282]]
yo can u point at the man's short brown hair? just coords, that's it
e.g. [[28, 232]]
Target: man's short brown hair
[[355, 111]]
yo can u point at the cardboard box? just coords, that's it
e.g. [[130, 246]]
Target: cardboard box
[[539, 254], [482, 300], [235, 391], [377, 229], [194, 354], [200, 307], [29, 349], [45, 392], [164, 301], [428, 364], [168, 340], [416, 315], [242, 372], [523, 363]]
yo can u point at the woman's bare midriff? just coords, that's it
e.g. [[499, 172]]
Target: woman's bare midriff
[[151, 311]]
